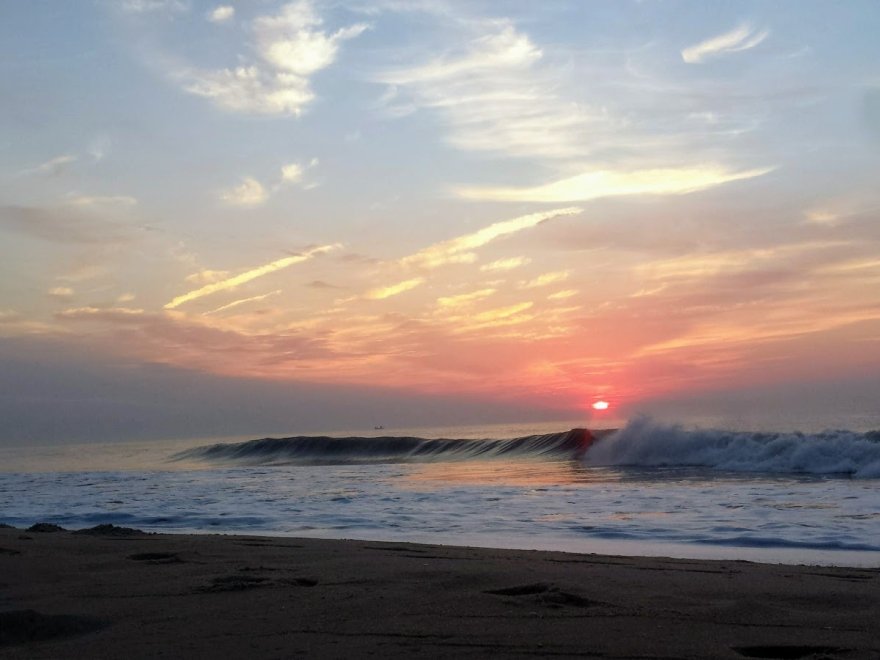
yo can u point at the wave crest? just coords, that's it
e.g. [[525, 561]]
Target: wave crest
[[643, 442], [326, 450]]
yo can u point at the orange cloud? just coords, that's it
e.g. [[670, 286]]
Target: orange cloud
[[247, 276]]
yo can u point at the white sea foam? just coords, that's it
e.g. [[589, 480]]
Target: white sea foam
[[643, 442]]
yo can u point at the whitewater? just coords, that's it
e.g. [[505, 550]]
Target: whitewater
[[645, 489]]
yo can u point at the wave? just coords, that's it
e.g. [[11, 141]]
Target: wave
[[645, 443], [329, 451], [642, 443]]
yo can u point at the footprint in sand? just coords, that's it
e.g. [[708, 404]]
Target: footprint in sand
[[157, 557], [546, 594], [233, 583]]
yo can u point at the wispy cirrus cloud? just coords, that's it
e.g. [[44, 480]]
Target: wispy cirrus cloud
[[207, 276], [505, 264], [453, 250], [76, 224], [833, 212], [463, 299], [60, 292], [290, 47], [499, 316], [547, 278], [741, 38], [96, 151], [242, 301], [596, 184], [460, 250], [53, 166], [247, 276], [152, 6], [128, 314], [102, 200], [495, 96], [380, 293]]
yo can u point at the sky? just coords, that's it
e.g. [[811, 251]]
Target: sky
[[317, 214]]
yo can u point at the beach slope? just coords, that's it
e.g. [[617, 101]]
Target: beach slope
[[112, 594]]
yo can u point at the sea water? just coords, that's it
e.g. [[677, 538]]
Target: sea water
[[648, 489]]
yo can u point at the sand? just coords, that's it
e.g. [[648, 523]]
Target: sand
[[116, 593]]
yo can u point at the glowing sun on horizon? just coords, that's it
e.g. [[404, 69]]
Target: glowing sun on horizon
[[600, 405]]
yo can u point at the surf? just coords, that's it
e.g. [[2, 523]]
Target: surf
[[572, 445], [645, 443], [642, 443]]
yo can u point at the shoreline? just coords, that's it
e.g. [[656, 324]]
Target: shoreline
[[778, 555], [108, 593]]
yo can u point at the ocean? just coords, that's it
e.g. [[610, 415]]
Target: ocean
[[649, 488]]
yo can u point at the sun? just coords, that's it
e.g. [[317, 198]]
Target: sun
[[600, 405]]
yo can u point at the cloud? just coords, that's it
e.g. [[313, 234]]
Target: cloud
[[249, 192], [221, 13], [127, 314], [201, 343], [292, 173], [242, 301], [102, 200], [97, 149], [52, 167], [495, 97], [84, 272], [64, 225], [611, 183], [151, 6], [247, 276], [547, 278], [500, 316], [562, 295], [252, 90], [738, 39], [837, 211], [700, 267], [463, 299], [61, 292], [295, 173], [207, 276], [505, 264], [453, 250], [291, 42], [290, 48], [388, 291]]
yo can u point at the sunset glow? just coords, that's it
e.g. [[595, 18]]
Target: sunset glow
[[510, 205]]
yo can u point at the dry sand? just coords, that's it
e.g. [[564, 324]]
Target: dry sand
[[112, 595]]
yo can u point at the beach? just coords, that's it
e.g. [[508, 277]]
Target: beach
[[113, 592]]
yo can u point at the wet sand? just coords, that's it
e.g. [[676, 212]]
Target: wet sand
[[118, 595]]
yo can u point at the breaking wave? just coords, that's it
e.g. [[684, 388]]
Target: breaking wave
[[642, 443], [648, 444], [331, 451]]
